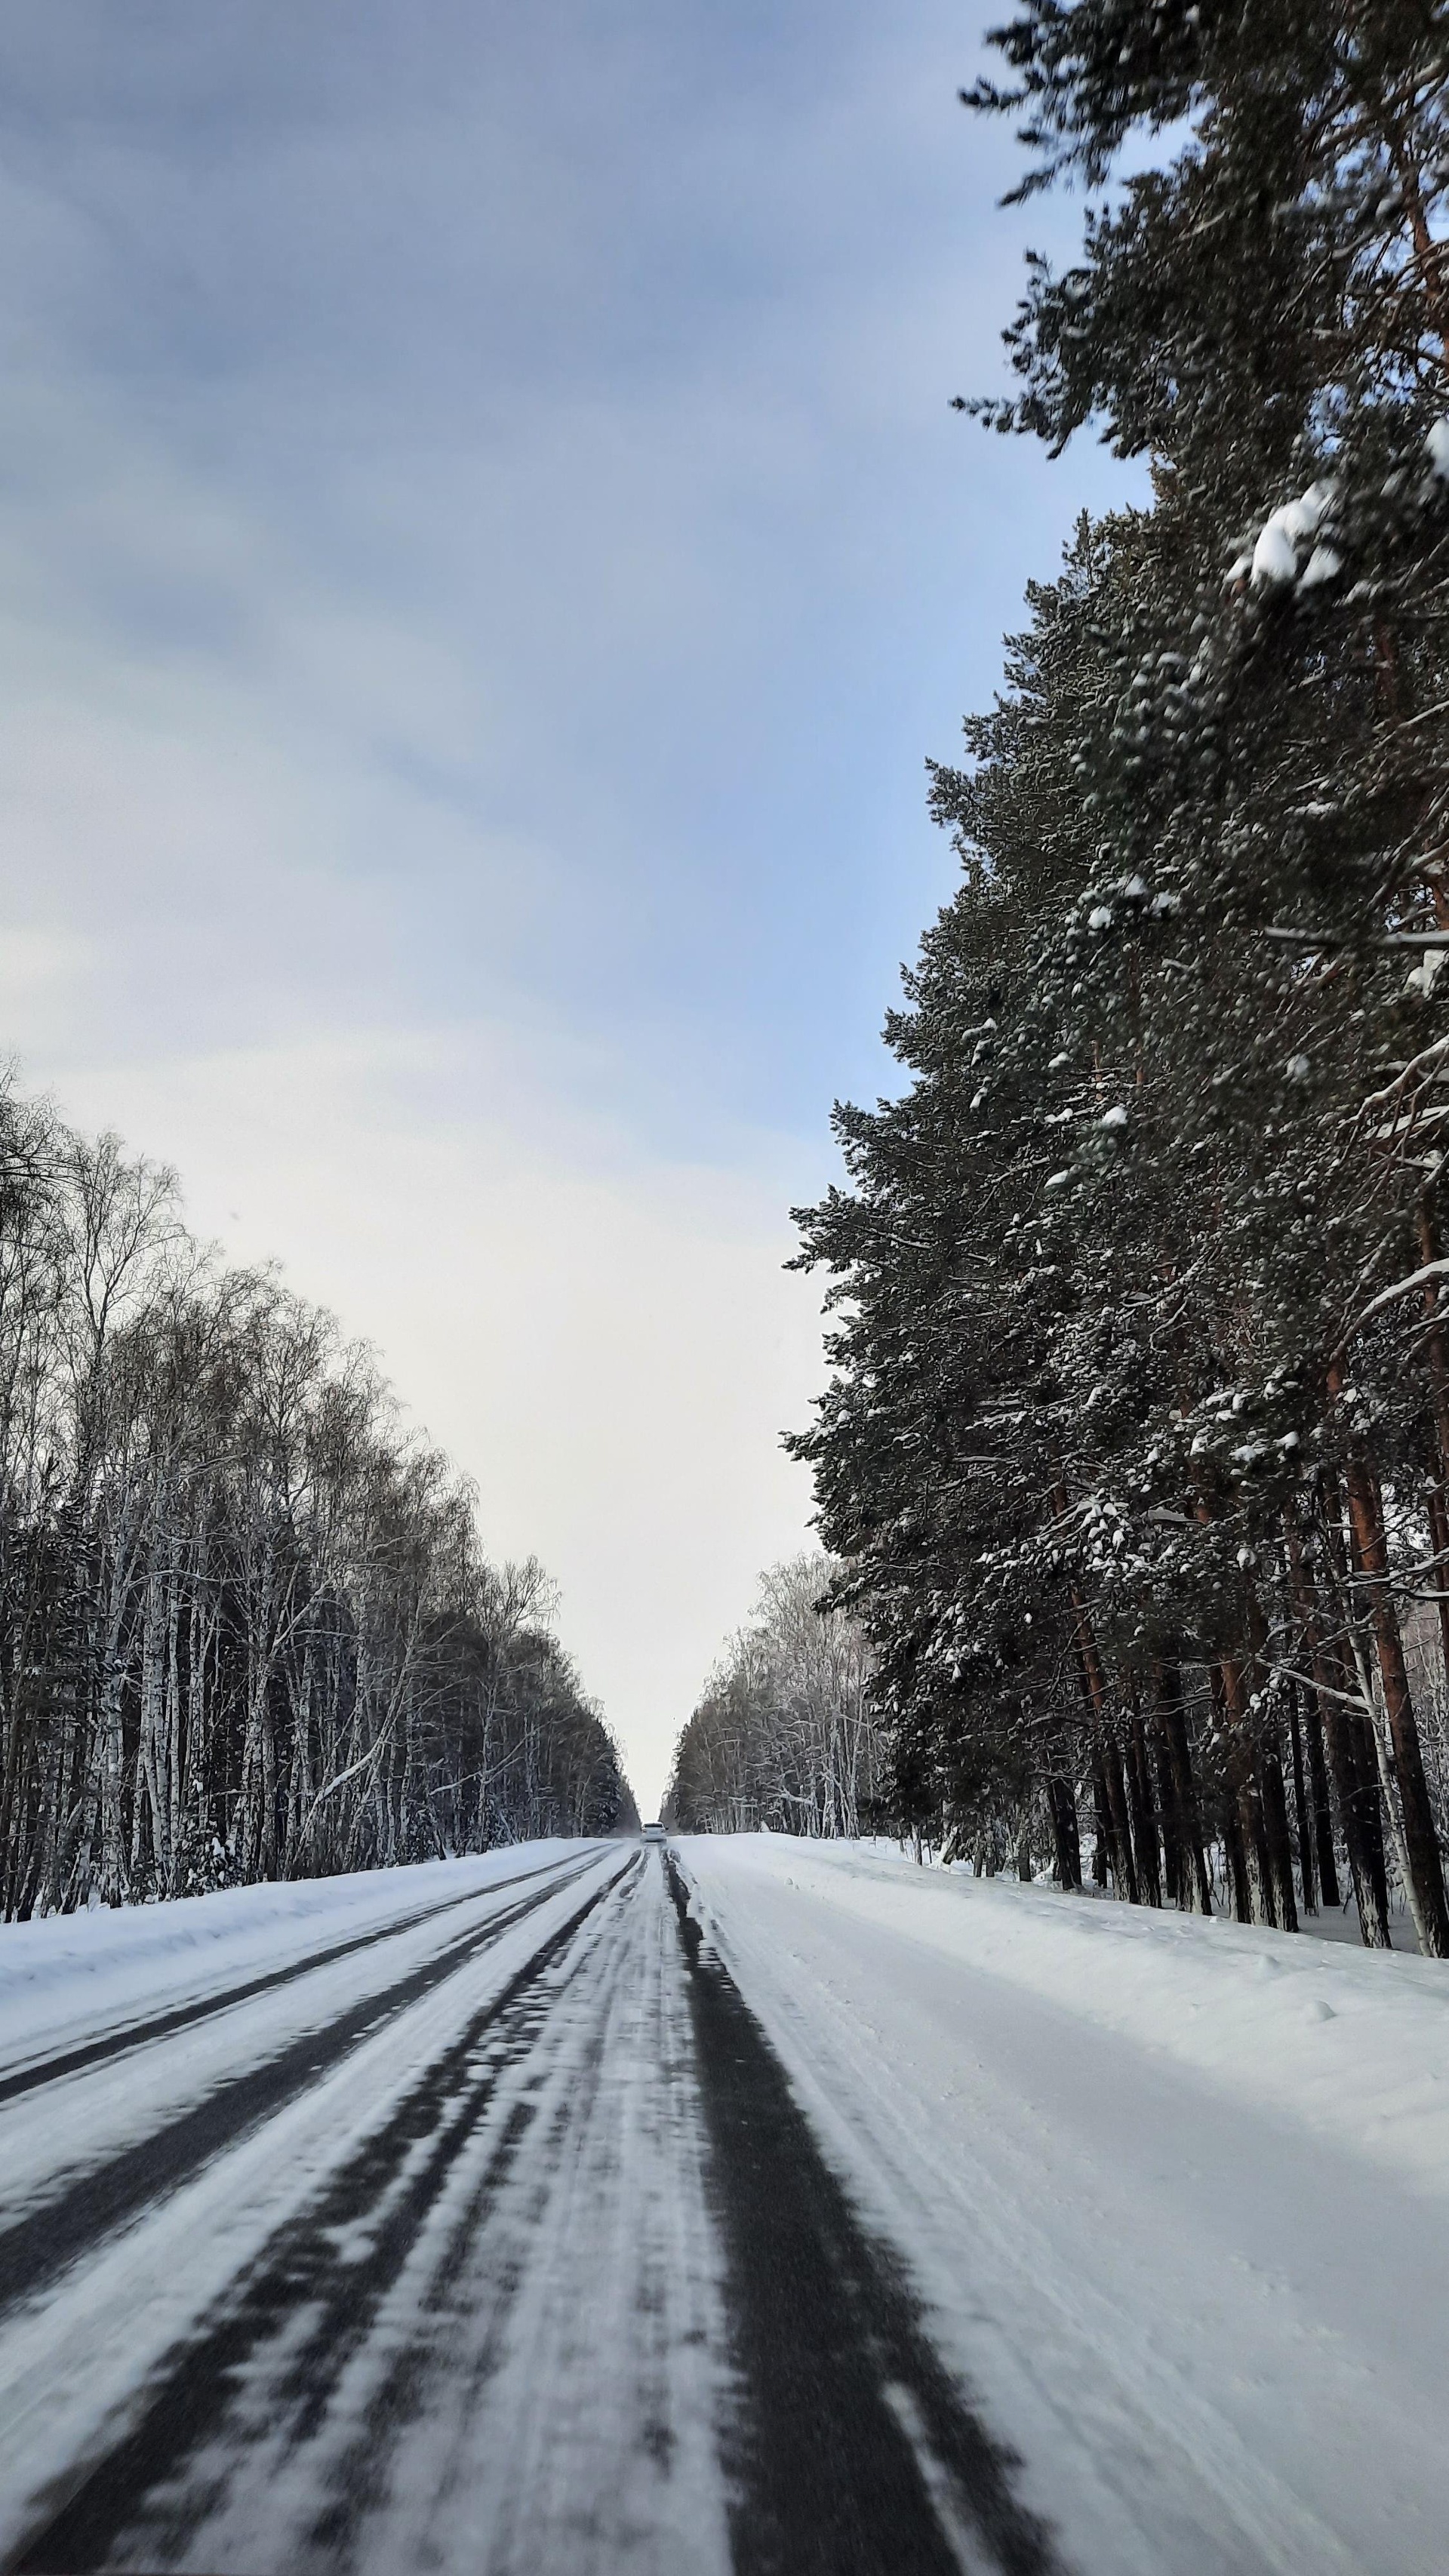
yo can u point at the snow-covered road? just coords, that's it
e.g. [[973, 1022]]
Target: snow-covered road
[[791, 2210], [397, 2261], [1176, 2194]]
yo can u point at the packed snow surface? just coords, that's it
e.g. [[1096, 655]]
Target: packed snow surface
[[1177, 2192], [73, 1973], [380, 2224], [370, 2232]]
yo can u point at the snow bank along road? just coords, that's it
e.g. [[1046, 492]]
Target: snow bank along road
[[782, 2208]]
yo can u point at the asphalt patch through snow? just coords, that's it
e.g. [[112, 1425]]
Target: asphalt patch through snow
[[143, 2034], [42, 2245], [301, 2275], [854, 2452]]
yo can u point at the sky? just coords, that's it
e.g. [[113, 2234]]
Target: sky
[[485, 553]]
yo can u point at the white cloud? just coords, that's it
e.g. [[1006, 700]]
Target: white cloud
[[608, 1345], [483, 555]]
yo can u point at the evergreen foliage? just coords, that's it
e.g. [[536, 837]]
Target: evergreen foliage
[[1137, 1439]]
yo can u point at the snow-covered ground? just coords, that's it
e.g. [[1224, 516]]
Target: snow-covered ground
[[1177, 2193], [462, 2218]]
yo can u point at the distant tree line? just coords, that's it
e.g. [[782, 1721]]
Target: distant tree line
[[786, 1737], [246, 1627], [1136, 1451]]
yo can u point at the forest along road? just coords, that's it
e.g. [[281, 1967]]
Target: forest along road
[[588, 2208]]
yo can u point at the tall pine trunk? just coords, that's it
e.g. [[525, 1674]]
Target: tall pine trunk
[[1306, 1876], [1109, 1759], [1197, 1882], [1421, 1844], [1357, 1798], [1246, 1796]]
